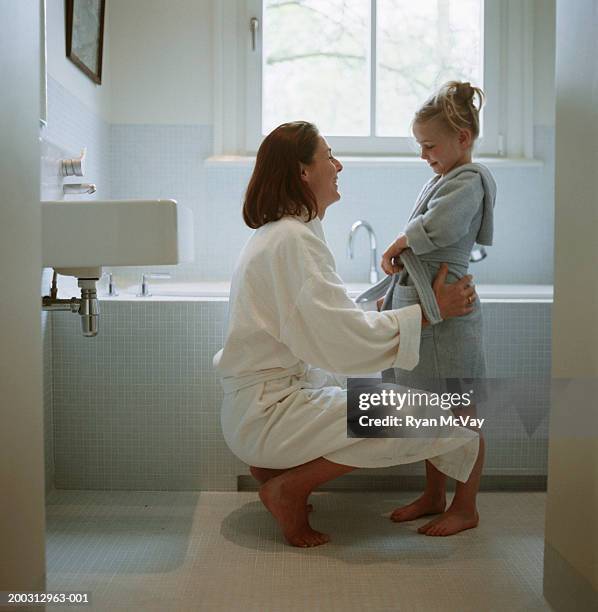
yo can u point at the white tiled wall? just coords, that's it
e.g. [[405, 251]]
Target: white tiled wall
[[72, 126]]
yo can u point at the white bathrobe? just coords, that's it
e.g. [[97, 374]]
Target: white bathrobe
[[291, 322]]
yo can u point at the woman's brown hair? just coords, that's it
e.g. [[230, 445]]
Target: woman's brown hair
[[275, 188], [455, 105]]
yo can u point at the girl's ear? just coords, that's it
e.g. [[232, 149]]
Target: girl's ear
[[465, 138]]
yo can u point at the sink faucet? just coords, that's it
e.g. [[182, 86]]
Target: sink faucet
[[373, 255]]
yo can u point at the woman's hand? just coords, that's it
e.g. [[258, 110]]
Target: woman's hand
[[390, 263], [454, 300]]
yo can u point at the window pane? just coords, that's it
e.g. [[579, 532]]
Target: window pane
[[316, 65], [420, 46]]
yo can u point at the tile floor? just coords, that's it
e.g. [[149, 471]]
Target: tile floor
[[175, 551]]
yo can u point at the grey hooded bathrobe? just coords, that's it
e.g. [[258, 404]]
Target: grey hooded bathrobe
[[451, 214]]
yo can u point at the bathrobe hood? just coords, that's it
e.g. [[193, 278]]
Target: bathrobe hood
[[484, 236]]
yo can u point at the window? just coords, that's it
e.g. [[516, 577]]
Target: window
[[360, 68]]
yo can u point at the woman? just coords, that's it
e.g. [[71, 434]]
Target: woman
[[288, 308]]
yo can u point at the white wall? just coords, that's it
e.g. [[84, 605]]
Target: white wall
[[22, 538], [571, 539], [544, 32], [161, 61], [157, 66], [95, 97]]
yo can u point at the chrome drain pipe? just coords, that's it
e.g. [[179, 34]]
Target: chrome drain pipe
[[89, 309], [86, 306]]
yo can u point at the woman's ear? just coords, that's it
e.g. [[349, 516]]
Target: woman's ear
[[303, 172]]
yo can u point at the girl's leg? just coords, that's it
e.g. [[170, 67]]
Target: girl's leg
[[285, 496], [462, 513], [432, 500]]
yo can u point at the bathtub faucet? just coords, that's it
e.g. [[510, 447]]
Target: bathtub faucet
[[373, 255], [144, 292]]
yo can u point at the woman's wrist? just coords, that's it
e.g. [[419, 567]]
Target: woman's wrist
[[425, 321]]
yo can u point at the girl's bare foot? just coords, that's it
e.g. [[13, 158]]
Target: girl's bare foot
[[424, 505], [287, 506], [262, 475], [462, 513], [452, 521]]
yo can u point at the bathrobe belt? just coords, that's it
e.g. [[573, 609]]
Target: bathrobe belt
[[234, 383], [457, 259]]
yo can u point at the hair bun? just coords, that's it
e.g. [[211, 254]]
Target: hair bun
[[455, 103], [464, 90]]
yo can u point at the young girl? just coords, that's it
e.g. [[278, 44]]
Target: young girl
[[453, 211]]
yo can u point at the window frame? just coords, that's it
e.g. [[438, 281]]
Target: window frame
[[508, 82]]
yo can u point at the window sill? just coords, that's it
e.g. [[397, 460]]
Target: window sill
[[349, 161]]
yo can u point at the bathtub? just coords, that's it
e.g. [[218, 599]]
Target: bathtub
[[219, 291], [148, 376]]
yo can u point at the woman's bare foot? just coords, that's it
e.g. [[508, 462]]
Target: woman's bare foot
[[424, 505], [287, 506], [451, 522], [262, 475]]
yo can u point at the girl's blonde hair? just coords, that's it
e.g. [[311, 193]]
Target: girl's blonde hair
[[455, 105]]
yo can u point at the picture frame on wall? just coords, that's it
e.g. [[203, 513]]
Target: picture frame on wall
[[84, 28]]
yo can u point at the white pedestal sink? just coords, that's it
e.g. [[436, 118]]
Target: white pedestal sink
[[95, 233]]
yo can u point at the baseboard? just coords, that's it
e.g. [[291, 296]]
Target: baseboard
[[416, 482]]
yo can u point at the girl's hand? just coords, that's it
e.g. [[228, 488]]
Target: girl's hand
[[390, 260]]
